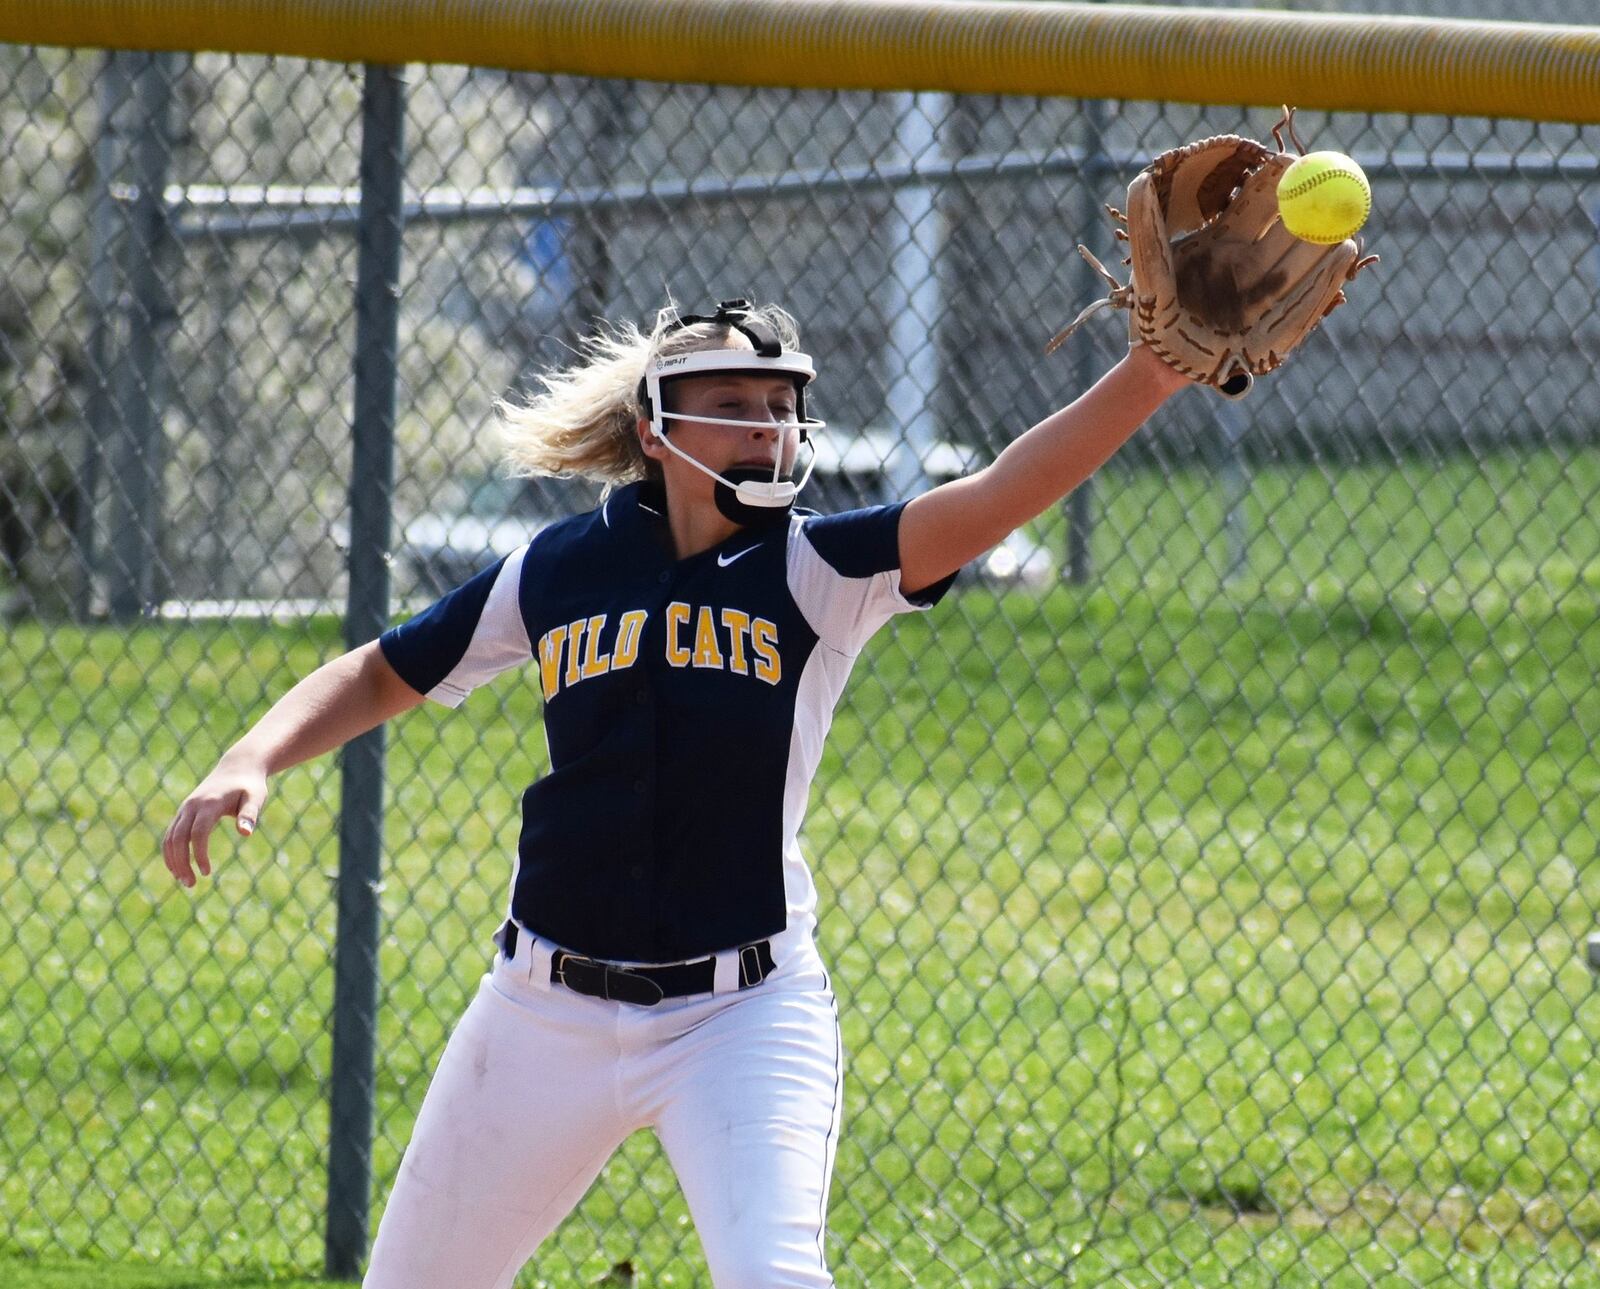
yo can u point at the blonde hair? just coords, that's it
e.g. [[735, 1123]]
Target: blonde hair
[[583, 422]]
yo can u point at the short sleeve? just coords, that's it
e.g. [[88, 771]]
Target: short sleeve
[[844, 574], [465, 639]]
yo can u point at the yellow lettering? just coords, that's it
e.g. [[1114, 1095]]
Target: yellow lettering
[[627, 647], [764, 639], [594, 662], [550, 660], [738, 625], [574, 648], [677, 616], [706, 653]]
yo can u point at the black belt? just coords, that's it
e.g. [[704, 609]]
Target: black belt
[[646, 986]]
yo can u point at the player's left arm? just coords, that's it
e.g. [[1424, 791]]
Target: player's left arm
[[948, 526]]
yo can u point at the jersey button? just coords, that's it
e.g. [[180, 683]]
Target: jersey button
[[639, 786], [662, 578], [636, 871], [642, 697]]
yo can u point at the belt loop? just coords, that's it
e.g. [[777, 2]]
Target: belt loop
[[725, 978], [510, 941], [540, 952], [529, 954]]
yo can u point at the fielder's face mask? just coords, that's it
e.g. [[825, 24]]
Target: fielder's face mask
[[743, 494]]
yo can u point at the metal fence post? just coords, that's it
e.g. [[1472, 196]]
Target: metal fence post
[[138, 450], [914, 306], [1080, 503], [1231, 425], [597, 276], [355, 1000], [104, 237]]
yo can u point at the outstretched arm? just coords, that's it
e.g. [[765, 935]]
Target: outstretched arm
[[952, 524], [338, 701]]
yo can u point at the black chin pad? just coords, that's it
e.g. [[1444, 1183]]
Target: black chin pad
[[749, 516]]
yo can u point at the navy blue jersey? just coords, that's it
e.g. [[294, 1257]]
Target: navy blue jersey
[[686, 703]]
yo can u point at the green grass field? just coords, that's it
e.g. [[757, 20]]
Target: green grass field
[[1186, 931]]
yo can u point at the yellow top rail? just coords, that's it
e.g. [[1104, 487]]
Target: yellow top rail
[[1337, 62]]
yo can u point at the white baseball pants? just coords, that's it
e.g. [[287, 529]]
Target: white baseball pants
[[538, 1086]]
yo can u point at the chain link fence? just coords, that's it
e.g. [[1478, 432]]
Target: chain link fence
[[1205, 882]]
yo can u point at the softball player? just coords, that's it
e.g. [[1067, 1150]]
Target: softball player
[[691, 638]]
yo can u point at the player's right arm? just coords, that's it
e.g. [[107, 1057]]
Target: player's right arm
[[471, 635], [337, 702]]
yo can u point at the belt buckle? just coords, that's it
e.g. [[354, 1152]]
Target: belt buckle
[[750, 971]]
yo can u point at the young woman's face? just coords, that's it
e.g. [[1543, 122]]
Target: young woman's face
[[767, 403]]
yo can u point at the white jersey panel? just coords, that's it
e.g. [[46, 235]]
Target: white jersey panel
[[499, 640], [821, 683], [844, 611]]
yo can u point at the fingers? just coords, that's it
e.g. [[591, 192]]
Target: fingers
[[204, 821], [175, 844], [186, 845]]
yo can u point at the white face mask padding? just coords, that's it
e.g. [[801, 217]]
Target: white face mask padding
[[793, 365]]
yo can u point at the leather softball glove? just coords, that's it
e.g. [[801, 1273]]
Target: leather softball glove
[[1220, 289]]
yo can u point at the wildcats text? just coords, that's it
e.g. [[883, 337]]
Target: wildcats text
[[696, 636]]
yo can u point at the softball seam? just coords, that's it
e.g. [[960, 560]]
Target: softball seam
[[1306, 185]]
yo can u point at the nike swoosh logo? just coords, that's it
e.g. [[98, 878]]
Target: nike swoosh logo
[[724, 560]]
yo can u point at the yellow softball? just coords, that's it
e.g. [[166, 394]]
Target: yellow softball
[[1324, 197]]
